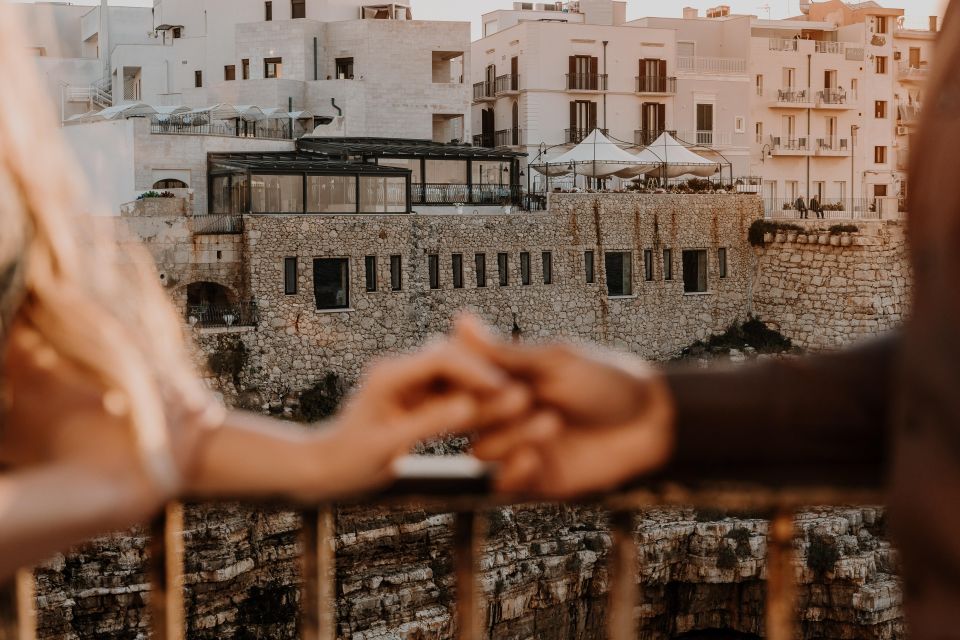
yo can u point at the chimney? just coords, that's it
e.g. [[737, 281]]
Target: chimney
[[689, 13], [934, 23]]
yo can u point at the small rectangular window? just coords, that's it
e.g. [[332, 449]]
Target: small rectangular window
[[880, 155], [458, 271], [290, 276], [177, 33], [230, 72], [881, 64], [331, 283], [298, 9], [619, 266], [268, 11], [503, 269], [198, 78], [370, 262], [396, 274], [695, 271], [524, 268], [344, 67], [433, 265], [722, 261], [245, 69], [648, 265], [881, 24], [668, 264], [273, 67], [547, 267], [480, 261], [880, 109], [588, 271]]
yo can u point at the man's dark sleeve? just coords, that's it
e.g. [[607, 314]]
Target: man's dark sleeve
[[798, 421]]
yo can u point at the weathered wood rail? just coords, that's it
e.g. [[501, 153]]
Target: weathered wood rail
[[466, 494]]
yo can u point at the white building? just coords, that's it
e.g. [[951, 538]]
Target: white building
[[386, 73]]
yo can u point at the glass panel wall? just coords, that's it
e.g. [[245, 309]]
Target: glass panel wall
[[240, 197], [413, 164], [220, 195], [276, 194], [487, 172], [331, 194], [379, 194], [446, 172]]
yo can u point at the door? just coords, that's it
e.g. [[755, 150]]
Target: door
[[652, 76], [491, 78], [652, 121], [830, 79], [705, 124], [487, 124], [832, 131], [515, 123], [583, 119], [583, 73], [514, 73], [789, 131], [914, 57]]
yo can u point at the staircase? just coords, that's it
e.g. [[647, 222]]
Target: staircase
[[101, 93]]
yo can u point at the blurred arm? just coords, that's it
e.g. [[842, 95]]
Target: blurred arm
[[823, 419]]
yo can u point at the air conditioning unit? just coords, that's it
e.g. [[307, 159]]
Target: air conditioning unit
[[902, 130]]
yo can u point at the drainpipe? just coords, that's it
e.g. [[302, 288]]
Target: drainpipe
[[809, 117], [605, 43], [290, 110], [333, 102]]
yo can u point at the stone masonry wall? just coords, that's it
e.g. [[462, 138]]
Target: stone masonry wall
[[825, 290]]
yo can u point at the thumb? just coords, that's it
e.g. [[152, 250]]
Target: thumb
[[436, 416], [476, 337]]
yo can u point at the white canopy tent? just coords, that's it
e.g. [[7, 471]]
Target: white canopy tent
[[676, 160], [596, 157], [121, 111]]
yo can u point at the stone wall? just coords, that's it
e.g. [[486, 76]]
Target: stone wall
[[824, 290]]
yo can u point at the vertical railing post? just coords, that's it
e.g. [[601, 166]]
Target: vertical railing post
[[318, 613], [165, 572], [623, 578], [781, 579], [18, 611], [466, 544]]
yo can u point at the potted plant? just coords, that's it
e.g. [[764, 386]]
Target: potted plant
[[459, 206], [229, 319]]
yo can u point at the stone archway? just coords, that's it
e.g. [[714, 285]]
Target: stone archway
[[211, 304]]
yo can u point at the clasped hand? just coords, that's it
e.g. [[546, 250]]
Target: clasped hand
[[558, 420]]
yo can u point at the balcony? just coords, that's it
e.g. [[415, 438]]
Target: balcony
[[211, 316], [835, 99], [655, 85], [783, 44], [576, 136], [483, 91], [586, 82], [908, 73], [789, 146], [507, 85], [466, 194], [908, 115], [508, 138], [833, 208], [215, 224], [705, 138], [833, 146], [792, 98], [466, 501], [711, 65], [483, 140], [644, 137], [244, 130], [824, 46]]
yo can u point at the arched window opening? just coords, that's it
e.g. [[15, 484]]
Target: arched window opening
[[170, 183]]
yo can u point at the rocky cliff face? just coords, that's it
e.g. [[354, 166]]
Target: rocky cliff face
[[543, 575]]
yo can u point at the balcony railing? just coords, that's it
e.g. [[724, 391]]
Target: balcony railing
[[790, 144], [793, 96], [782, 44], [241, 314], [483, 91], [477, 194], [705, 138], [656, 84], [832, 96], [833, 208], [711, 65], [507, 84], [854, 54], [824, 46], [508, 138], [909, 73], [576, 136], [483, 140], [644, 137], [833, 144], [467, 498], [586, 82], [215, 224], [225, 130]]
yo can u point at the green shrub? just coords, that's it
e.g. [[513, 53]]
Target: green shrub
[[229, 359], [761, 227], [823, 554], [322, 399], [726, 557], [843, 228]]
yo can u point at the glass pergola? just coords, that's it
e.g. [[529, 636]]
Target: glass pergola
[[297, 183]]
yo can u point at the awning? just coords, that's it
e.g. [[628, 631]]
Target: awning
[[120, 111], [596, 157], [677, 160]]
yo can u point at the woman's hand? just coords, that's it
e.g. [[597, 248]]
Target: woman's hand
[[601, 418]]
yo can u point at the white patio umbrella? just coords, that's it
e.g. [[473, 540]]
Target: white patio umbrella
[[596, 157], [677, 159]]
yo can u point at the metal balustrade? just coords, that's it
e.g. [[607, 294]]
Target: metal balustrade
[[832, 96], [483, 91], [508, 137], [452, 194], [644, 137], [791, 95], [576, 136], [833, 208], [656, 84], [711, 65], [467, 496], [586, 82], [508, 83], [239, 314], [225, 130], [215, 224]]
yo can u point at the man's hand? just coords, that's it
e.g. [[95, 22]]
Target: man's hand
[[599, 419]]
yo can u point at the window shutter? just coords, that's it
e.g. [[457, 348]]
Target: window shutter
[[573, 65], [594, 66], [662, 68], [593, 117], [661, 117], [643, 69], [573, 117]]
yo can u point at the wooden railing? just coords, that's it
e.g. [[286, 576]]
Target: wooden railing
[[462, 488]]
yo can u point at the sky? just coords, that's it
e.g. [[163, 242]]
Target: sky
[[917, 10]]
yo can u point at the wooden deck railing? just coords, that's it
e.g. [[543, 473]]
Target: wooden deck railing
[[468, 496]]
